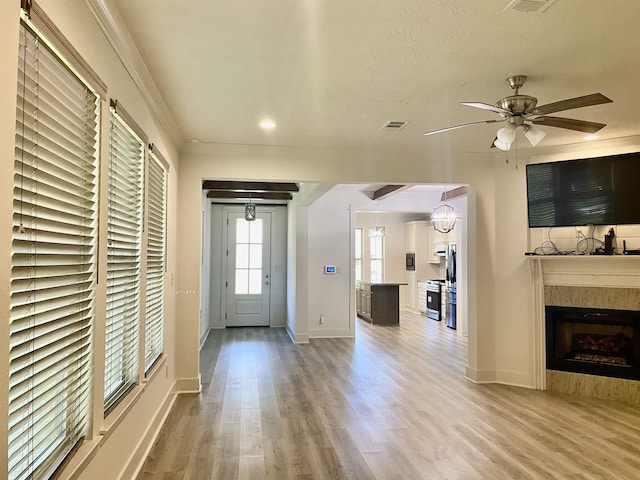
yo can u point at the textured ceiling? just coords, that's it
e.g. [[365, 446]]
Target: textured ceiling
[[332, 72]]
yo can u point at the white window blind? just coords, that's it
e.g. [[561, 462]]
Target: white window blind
[[156, 258], [53, 261], [124, 233]]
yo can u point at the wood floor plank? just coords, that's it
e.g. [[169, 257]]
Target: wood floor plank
[[391, 404]]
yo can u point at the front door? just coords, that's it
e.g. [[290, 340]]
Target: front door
[[248, 269]]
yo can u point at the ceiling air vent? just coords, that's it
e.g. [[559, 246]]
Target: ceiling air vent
[[529, 6], [391, 125]]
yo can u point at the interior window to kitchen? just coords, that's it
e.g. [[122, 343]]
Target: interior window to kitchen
[[376, 257], [358, 254]]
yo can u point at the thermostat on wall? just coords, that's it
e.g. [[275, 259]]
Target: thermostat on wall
[[330, 270]]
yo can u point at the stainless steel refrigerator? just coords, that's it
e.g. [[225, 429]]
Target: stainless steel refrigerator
[[450, 285]]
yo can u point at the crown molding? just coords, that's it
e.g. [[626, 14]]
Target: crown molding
[[111, 24]]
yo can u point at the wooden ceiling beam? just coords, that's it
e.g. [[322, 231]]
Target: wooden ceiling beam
[[388, 190], [456, 192], [247, 196], [250, 186]]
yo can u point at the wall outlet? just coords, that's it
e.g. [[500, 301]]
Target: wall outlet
[[321, 319]]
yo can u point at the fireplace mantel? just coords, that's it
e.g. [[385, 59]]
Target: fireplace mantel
[[608, 271], [621, 271]]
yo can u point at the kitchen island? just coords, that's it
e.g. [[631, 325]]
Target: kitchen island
[[378, 303]]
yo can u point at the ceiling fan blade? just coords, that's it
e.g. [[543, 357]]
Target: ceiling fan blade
[[486, 106], [569, 124], [461, 126], [571, 103]]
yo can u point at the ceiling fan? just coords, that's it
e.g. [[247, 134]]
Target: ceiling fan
[[521, 111]]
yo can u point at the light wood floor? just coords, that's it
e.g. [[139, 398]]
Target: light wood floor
[[392, 404]]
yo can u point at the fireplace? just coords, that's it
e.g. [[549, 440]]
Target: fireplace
[[595, 341]]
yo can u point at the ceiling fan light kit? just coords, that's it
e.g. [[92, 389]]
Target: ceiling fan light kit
[[533, 134], [522, 111], [507, 134], [502, 145]]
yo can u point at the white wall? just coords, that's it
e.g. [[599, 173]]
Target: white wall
[[330, 238]]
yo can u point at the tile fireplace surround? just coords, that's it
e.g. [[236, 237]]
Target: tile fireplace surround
[[608, 282]]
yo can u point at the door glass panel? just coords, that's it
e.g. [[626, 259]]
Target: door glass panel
[[256, 231], [242, 256], [242, 231], [242, 281], [255, 282], [255, 256], [248, 257]]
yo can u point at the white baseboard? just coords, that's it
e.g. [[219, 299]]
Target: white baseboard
[[332, 333], [480, 376], [136, 460], [188, 385], [515, 379], [297, 338], [204, 337]]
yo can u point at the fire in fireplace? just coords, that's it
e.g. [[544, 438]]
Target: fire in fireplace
[[594, 341]]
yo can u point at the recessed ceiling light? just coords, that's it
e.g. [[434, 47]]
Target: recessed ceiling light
[[195, 140], [268, 124], [591, 137]]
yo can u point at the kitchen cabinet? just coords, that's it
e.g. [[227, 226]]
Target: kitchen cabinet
[[438, 242], [422, 296], [378, 303]]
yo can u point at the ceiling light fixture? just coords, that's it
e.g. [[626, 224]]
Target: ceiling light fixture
[[250, 210], [377, 231], [590, 138], [443, 218], [502, 145], [507, 134], [268, 125], [533, 134]]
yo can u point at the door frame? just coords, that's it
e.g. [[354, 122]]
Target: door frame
[[214, 264]]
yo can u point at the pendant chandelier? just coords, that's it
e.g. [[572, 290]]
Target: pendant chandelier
[[377, 231], [443, 218]]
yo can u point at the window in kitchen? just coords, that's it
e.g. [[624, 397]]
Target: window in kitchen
[[376, 257], [358, 254]]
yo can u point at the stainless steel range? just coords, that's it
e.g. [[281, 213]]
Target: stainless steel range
[[434, 299]]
